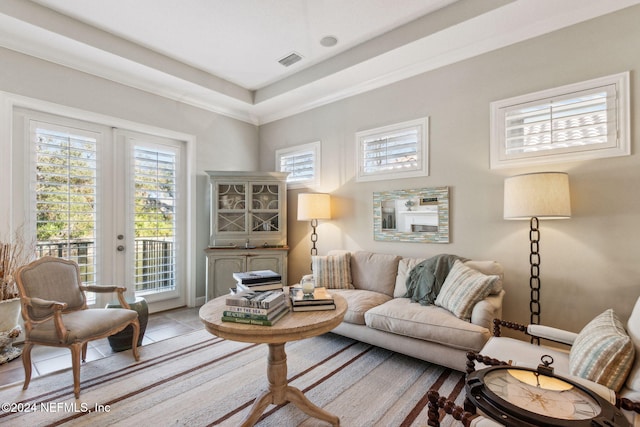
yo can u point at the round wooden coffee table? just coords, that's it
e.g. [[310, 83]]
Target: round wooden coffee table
[[293, 326]]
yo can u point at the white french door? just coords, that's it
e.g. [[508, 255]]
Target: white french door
[[112, 200]]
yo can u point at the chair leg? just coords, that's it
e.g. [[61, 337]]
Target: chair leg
[[26, 362], [136, 334], [84, 352], [76, 350]]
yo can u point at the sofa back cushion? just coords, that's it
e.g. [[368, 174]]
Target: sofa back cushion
[[374, 272]]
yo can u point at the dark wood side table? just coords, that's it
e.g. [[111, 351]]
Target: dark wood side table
[[293, 326]]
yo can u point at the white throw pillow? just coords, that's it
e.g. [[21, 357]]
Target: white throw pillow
[[463, 288]]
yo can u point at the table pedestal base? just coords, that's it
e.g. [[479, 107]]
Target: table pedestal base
[[280, 392]]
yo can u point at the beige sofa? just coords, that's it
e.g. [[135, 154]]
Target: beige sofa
[[379, 313]]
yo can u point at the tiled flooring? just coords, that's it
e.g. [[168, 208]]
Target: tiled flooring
[[48, 359]]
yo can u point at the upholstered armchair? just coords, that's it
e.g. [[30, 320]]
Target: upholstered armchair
[[55, 313], [604, 357]]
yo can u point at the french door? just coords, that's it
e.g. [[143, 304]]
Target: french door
[[111, 200]]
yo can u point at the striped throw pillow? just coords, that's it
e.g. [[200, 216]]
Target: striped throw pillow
[[602, 352], [463, 288], [332, 271]]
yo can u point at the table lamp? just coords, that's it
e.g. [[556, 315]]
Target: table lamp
[[535, 196], [312, 207]]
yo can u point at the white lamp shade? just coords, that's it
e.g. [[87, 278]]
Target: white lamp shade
[[314, 206], [542, 195]]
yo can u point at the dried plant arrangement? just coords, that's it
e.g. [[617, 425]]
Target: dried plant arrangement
[[13, 255]]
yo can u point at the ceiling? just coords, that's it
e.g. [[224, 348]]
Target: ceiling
[[222, 55]]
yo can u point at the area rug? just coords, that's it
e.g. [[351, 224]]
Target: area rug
[[202, 380]]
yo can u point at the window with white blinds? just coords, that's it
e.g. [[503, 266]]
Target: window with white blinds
[[572, 122], [154, 199], [303, 164], [65, 191], [396, 151]]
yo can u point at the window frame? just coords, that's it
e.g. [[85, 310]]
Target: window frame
[[422, 168], [617, 145], [297, 150]]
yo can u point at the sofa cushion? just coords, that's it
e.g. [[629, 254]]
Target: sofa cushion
[[374, 272], [602, 352], [486, 267], [404, 317], [332, 271], [463, 288], [633, 329], [405, 265], [359, 302]]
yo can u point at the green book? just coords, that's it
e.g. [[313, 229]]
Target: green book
[[260, 322]]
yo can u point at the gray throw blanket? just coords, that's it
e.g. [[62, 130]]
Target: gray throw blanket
[[425, 279]]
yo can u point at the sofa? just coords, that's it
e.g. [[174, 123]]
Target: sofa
[[381, 313]]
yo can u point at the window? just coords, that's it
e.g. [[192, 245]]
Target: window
[[395, 151], [303, 164], [581, 121]]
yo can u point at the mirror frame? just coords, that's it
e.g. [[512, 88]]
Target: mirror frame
[[438, 195]]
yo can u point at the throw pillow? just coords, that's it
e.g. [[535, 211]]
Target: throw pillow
[[602, 352], [332, 271], [463, 288]]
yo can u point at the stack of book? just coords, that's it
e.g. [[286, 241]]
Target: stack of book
[[320, 299], [258, 280], [255, 308]]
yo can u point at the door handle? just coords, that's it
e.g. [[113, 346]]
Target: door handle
[[120, 248]]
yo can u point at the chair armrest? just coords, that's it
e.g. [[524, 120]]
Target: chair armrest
[[57, 307], [108, 288], [43, 303], [552, 334], [103, 288]]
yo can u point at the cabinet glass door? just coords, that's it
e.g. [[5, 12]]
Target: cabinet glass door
[[231, 208], [265, 208]]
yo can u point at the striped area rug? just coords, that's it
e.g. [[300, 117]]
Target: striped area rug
[[202, 380]]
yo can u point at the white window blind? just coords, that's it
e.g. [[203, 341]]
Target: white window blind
[[303, 164], [154, 179], [572, 120], [580, 121], [393, 152], [66, 182]]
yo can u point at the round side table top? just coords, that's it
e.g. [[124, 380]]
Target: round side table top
[[293, 326]]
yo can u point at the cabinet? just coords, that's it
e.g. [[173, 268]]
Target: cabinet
[[248, 209], [248, 223], [222, 263]]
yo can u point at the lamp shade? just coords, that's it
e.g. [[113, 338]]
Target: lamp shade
[[314, 206], [543, 195]]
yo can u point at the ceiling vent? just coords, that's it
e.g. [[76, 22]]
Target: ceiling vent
[[290, 59]]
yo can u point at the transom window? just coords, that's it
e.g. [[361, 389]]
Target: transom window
[[303, 164], [395, 151], [575, 122]]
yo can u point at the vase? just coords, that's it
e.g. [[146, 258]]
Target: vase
[[121, 341], [9, 329]]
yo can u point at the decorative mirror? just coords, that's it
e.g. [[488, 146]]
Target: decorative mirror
[[420, 215]]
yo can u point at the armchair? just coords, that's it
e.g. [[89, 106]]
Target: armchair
[[619, 383], [55, 313]]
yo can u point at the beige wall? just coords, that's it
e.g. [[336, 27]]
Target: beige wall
[[588, 263], [221, 143]]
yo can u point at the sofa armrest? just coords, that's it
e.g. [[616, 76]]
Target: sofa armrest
[[488, 309]]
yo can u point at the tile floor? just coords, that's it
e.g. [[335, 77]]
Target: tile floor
[[161, 326]]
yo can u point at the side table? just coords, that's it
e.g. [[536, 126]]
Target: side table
[[293, 326]]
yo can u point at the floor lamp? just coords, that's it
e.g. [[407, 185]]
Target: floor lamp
[[534, 196], [312, 207]]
